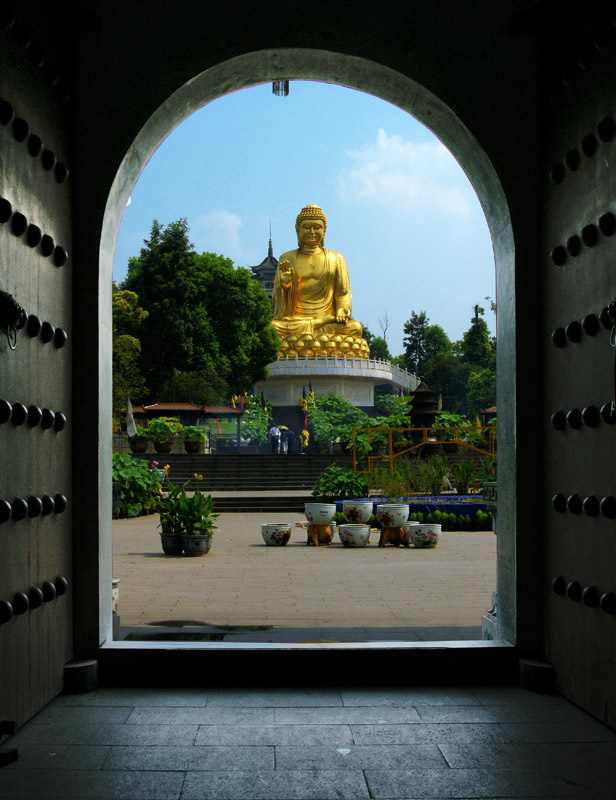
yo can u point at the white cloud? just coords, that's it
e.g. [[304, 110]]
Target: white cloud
[[220, 231], [406, 176]]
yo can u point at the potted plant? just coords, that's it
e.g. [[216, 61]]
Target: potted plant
[[162, 430], [438, 469], [463, 473], [170, 526], [197, 520], [187, 519], [194, 437], [139, 442]]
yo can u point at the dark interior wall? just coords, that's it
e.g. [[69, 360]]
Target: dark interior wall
[[140, 69], [35, 459], [474, 72], [578, 181]]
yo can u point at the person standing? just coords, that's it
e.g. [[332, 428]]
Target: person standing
[[290, 440], [283, 441], [275, 438]]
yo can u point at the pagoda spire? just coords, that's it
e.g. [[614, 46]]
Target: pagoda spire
[[270, 251]]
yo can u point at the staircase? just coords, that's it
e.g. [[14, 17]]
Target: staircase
[[250, 481]]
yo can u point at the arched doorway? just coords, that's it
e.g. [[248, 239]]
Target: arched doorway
[[358, 73]]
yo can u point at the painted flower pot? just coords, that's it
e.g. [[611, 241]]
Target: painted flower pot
[[172, 544], [392, 515], [320, 513], [197, 545], [276, 534], [425, 535], [354, 535], [357, 510]]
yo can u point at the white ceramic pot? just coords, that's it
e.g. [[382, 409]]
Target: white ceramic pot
[[357, 511], [276, 534], [320, 513], [392, 515], [354, 535], [425, 535]]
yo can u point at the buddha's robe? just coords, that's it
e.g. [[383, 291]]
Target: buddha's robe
[[309, 304]]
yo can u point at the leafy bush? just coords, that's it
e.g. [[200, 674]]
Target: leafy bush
[[138, 483], [339, 483]]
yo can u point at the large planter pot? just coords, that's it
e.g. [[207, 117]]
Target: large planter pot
[[358, 511], [194, 447], [429, 449], [450, 447], [392, 515], [197, 545], [171, 543], [354, 535], [462, 488], [138, 447], [276, 534], [320, 513], [163, 447], [424, 536]]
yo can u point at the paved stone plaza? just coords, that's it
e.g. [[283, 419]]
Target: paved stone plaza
[[300, 593]]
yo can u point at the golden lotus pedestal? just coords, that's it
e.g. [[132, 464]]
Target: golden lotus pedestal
[[324, 345]]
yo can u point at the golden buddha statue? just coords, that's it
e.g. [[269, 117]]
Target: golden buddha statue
[[312, 296]]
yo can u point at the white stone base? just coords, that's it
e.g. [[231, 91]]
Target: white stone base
[[353, 379]]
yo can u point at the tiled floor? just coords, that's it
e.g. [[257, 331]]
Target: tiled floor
[[311, 744]]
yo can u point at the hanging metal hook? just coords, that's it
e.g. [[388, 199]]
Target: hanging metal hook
[[12, 318]]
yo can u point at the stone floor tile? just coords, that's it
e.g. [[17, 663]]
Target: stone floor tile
[[358, 757], [213, 715], [586, 756], [348, 715], [192, 757], [521, 712], [93, 734], [135, 697], [82, 715], [338, 735], [474, 783], [59, 756], [90, 785], [482, 733], [274, 698], [276, 785], [408, 696]]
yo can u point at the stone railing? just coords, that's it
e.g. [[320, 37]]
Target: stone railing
[[303, 365]]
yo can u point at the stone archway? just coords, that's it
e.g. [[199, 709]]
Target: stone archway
[[357, 73]]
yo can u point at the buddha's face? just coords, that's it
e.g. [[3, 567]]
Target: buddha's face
[[311, 231]]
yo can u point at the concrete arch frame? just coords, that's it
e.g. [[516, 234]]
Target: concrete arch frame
[[359, 73]]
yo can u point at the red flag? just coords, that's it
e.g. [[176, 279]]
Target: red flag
[[242, 402], [306, 421], [218, 426]]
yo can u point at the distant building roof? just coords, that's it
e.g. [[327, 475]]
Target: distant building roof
[[178, 408]]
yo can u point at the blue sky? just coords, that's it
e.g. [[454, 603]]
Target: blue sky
[[399, 207]]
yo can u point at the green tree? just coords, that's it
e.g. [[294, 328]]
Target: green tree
[[127, 378], [203, 387], [480, 391], [128, 322], [367, 334], [435, 341], [414, 340], [379, 349], [448, 375], [204, 314], [476, 347]]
